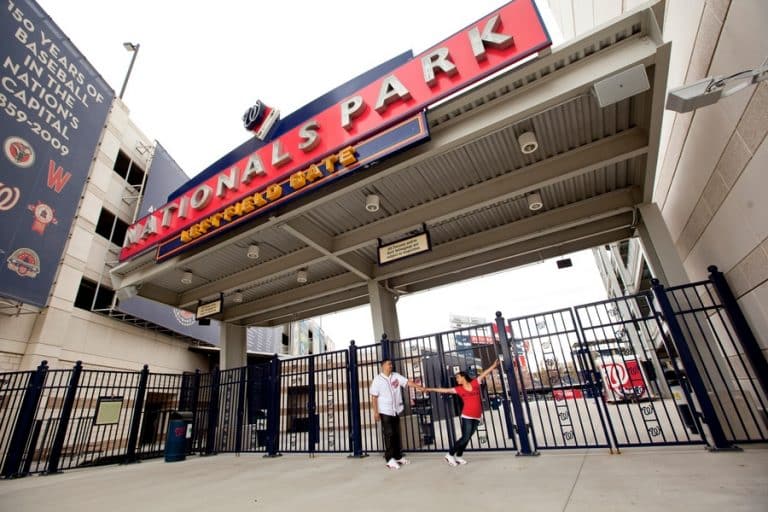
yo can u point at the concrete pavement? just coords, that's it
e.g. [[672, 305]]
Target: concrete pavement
[[577, 480]]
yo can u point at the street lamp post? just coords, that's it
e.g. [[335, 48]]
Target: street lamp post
[[131, 48]]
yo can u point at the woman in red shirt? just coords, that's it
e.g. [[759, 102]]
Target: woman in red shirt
[[469, 391]]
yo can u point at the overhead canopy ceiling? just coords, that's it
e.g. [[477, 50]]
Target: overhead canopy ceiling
[[467, 185]]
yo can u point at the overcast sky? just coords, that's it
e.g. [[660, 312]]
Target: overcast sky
[[202, 64]]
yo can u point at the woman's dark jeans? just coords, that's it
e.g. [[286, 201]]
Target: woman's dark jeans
[[468, 428]]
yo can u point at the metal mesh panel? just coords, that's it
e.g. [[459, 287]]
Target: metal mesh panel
[[13, 385], [629, 355], [563, 408], [730, 380]]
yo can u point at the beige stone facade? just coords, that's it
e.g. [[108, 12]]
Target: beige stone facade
[[62, 333]]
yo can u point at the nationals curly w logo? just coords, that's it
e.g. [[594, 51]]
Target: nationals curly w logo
[[9, 196]]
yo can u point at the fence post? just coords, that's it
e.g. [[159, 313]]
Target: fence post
[[213, 412], [355, 429], [20, 436], [691, 370], [514, 392], [273, 412], [743, 332], [241, 409], [313, 435], [195, 406], [66, 414], [138, 408], [449, 403], [386, 348]]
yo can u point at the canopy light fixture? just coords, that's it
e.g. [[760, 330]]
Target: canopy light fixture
[[253, 251], [528, 142], [534, 201], [237, 298], [372, 203], [186, 278], [302, 276]]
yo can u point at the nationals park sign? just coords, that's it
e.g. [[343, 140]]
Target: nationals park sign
[[507, 35]]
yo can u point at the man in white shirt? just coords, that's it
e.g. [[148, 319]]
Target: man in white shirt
[[387, 402]]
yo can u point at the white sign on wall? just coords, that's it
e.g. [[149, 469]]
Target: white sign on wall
[[404, 248]]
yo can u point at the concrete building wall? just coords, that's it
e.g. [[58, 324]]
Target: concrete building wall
[[710, 177], [63, 333]]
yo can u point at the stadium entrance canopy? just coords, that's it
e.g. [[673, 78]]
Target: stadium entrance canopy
[[469, 175]]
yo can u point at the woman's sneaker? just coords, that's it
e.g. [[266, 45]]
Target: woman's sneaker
[[392, 464], [459, 460], [451, 459]]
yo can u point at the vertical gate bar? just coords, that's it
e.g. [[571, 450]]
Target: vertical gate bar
[[745, 367], [743, 332], [718, 371], [213, 412], [505, 400], [240, 410], [355, 431], [24, 422], [682, 379], [446, 398], [273, 410], [519, 322], [710, 417], [194, 405], [509, 364], [25, 469], [526, 402], [138, 408], [66, 414], [579, 357], [312, 420], [386, 348]]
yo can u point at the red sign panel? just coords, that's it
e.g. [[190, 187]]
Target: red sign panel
[[624, 380], [513, 32]]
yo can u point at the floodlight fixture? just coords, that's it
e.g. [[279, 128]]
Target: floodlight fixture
[[708, 91]]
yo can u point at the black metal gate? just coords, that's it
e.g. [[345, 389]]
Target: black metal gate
[[670, 366], [314, 404], [431, 421], [665, 367]]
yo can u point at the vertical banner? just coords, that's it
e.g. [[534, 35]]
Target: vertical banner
[[53, 106], [163, 177]]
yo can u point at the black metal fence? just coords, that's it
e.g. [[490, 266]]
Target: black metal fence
[[667, 367]]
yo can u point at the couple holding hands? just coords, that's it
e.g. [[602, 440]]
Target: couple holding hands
[[387, 404]]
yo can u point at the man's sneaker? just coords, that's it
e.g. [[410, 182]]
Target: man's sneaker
[[403, 461], [459, 459], [392, 464], [451, 459]]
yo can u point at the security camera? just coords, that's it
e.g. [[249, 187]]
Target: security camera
[[372, 203]]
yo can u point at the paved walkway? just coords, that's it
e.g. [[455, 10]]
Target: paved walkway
[[678, 479]]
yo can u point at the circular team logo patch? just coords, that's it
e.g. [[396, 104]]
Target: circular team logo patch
[[19, 152], [185, 318], [25, 262], [9, 196]]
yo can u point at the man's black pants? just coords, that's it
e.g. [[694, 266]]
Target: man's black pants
[[390, 429]]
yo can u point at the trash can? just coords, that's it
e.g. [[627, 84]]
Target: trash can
[[179, 430]]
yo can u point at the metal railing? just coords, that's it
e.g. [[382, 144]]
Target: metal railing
[[667, 367]]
